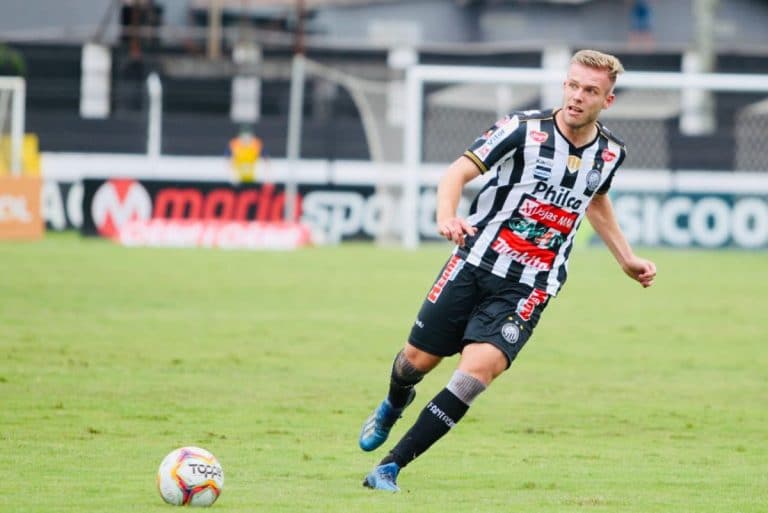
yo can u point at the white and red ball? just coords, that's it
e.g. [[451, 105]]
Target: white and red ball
[[190, 476]]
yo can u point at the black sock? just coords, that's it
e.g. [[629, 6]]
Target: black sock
[[435, 420], [402, 380], [398, 392]]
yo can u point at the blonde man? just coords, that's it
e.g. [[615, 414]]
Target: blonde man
[[550, 169]]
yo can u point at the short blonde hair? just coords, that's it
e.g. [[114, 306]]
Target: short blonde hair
[[599, 60]]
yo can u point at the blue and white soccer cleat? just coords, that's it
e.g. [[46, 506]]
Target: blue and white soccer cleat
[[376, 427], [383, 477]]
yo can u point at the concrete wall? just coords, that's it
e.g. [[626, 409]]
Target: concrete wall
[[740, 24], [437, 21], [43, 17]]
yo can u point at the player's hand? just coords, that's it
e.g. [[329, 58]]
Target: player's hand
[[455, 229], [641, 270]]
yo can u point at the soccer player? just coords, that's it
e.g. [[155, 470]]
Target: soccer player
[[548, 169]]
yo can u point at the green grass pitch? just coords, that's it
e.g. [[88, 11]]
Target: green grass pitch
[[625, 400]]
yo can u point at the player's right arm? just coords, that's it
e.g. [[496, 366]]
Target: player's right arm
[[449, 225]]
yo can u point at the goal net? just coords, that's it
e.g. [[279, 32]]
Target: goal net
[[447, 107], [379, 105], [12, 93], [372, 98]]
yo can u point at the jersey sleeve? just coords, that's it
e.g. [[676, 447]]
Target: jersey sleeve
[[607, 184], [505, 136]]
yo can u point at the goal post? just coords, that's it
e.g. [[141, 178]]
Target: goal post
[[648, 101], [12, 98]]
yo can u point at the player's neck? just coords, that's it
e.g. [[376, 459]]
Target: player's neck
[[577, 136]]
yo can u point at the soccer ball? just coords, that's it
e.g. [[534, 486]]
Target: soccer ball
[[190, 476]]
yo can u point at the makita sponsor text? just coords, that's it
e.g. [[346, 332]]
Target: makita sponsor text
[[520, 250], [502, 247]]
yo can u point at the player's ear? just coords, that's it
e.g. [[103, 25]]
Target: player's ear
[[609, 100]]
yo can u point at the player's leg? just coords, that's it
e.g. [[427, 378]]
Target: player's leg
[[437, 332], [480, 364], [506, 321], [409, 367]]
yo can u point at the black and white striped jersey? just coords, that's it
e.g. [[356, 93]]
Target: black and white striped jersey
[[528, 212]]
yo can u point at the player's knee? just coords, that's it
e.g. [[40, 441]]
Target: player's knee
[[483, 361], [420, 360], [465, 387], [404, 372]]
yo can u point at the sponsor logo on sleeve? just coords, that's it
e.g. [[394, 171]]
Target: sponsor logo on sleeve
[[503, 122], [492, 139], [498, 135]]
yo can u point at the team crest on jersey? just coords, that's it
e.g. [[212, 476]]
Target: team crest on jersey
[[608, 155], [510, 332], [539, 137], [574, 163], [593, 179]]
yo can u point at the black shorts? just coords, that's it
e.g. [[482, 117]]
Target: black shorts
[[468, 304]]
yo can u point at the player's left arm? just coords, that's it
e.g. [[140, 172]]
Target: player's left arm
[[603, 219]]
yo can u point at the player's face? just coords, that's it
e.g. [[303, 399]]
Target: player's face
[[587, 91]]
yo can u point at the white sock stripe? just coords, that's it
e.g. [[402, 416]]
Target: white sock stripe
[[465, 387]]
